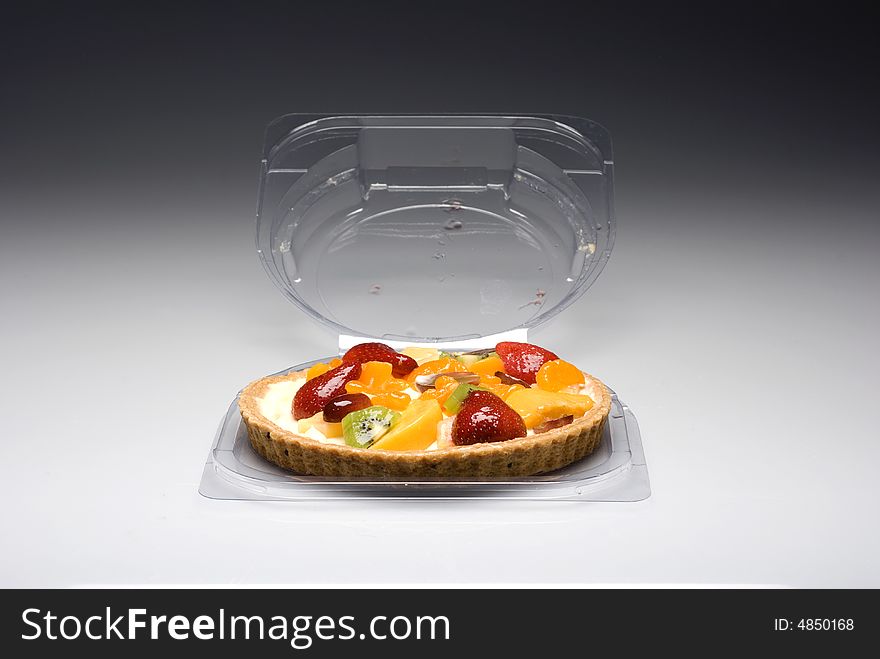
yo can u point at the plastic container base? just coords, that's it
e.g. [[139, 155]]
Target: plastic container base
[[615, 471]]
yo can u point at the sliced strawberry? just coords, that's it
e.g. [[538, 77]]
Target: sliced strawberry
[[401, 364], [484, 417], [317, 392], [522, 360]]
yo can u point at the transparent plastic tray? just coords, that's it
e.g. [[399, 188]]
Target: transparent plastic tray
[[455, 231], [615, 471]]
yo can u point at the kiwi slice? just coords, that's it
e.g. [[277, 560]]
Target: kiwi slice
[[456, 398], [363, 427], [468, 358]]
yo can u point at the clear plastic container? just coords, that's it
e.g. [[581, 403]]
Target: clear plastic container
[[454, 231]]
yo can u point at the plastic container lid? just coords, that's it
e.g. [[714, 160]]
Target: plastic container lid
[[440, 228]]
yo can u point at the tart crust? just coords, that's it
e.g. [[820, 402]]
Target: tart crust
[[525, 456]]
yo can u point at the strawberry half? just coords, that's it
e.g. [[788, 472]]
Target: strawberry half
[[401, 365], [484, 417], [317, 392], [522, 360]]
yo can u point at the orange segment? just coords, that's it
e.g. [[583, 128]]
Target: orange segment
[[442, 365], [443, 388], [376, 378], [487, 366], [558, 374], [494, 385], [320, 368], [392, 400]]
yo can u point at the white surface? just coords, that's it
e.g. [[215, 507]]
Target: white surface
[[751, 366]]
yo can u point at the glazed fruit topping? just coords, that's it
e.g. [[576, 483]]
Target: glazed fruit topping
[[442, 390], [523, 360], [320, 368], [402, 364], [484, 417], [317, 392], [487, 366], [442, 365], [554, 423], [469, 358], [537, 406], [456, 398], [494, 384], [415, 429], [378, 382], [429, 381], [482, 353], [336, 409], [558, 374], [509, 379], [360, 429]]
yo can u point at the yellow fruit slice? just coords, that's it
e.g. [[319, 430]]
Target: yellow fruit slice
[[536, 406], [487, 366], [317, 422], [415, 430], [421, 355]]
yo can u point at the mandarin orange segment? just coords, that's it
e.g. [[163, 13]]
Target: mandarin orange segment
[[442, 365], [443, 388], [430, 394], [493, 383], [558, 374], [318, 369], [376, 378], [487, 366], [503, 391], [392, 400]]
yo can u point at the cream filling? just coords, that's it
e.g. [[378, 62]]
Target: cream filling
[[277, 403]]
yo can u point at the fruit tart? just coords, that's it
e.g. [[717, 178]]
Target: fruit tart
[[513, 410]]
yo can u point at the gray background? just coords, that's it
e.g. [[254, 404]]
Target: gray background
[[738, 314]]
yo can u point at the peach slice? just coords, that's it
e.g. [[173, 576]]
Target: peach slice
[[415, 430], [537, 406], [329, 430], [487, 366]]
